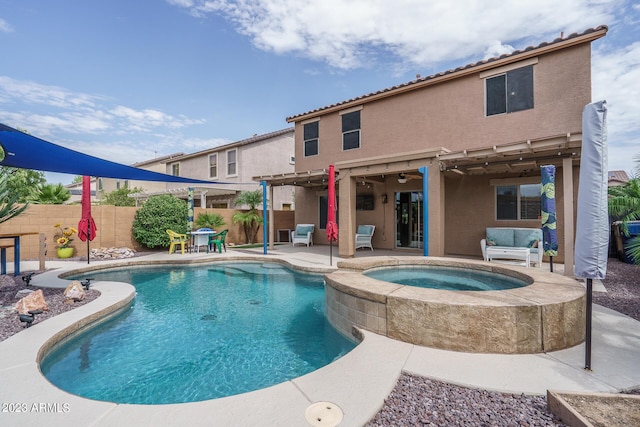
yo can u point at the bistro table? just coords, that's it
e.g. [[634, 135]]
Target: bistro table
[[200, 238], [16, 249]]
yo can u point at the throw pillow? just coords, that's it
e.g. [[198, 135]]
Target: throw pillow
[[490, 241], [533, 244]]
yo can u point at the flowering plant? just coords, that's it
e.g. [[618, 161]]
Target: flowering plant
[[63, 235]]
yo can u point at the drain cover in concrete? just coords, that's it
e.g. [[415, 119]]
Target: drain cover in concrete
[[323, 414]]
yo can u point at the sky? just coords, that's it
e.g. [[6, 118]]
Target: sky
[[129, 81]]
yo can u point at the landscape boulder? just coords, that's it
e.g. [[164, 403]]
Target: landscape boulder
[[33, 301], [74, 292]]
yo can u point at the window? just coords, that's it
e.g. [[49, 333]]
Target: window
[[232, 162], [323, 210], [213, 166], [126, 183], [510, 92], [311, 139], [117, 185], [351, 130], [175, 169], [514, 202], [100, 184]]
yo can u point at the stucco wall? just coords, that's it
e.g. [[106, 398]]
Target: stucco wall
[[451, 115]]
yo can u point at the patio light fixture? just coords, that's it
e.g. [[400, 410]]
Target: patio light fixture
[[402, 179]]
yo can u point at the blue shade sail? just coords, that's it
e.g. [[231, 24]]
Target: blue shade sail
[[592, 222], [548, 207], [21, 150]]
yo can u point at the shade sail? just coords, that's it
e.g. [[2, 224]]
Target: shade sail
[[548, 207], [21, 150], [592, 221]]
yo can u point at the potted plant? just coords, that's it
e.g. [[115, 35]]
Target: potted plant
[[63, 240]]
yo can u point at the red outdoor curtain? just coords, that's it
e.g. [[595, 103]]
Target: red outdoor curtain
[[86, 226], [332, 227]]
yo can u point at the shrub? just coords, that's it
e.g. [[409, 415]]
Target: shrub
[[158, 214], [209, 220]]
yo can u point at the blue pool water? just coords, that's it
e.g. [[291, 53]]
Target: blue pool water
[[447, 278], [198, 333]]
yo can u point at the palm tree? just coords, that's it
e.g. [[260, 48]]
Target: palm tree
[[624, 205], [250, 219], [8, 199], [50, 194]]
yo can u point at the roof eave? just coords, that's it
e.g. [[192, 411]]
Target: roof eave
[[542, 49]]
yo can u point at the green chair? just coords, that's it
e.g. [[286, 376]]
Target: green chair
[[217, 241]]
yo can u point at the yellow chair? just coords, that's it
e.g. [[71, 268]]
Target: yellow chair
[[176, 239]]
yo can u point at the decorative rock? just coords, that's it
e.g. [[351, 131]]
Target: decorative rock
[[23, 293], [33, 301], [112, 253], [74, 292]]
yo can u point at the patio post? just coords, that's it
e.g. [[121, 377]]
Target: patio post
[[424, 170]]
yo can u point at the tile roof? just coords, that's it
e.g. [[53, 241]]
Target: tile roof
[[620, 176], [252, 139], [486, 63]]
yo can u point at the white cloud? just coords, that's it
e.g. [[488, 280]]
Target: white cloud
[[346, 34], [92, 123], [615, 77], [5, 27]]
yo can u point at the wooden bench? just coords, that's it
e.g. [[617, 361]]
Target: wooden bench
[[3, 256]]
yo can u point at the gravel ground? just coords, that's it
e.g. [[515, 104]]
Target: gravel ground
[[415, 400], [9, 321]]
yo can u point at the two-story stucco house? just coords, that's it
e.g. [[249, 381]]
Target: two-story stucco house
[[482, 131], [235, 164], [157, 164]]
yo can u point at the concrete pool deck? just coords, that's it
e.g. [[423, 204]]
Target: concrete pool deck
[[358, 383]]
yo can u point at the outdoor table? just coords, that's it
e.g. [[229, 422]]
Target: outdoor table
[[200, 236], [16, 248]]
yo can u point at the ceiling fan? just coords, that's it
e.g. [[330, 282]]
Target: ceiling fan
[[404, 177]]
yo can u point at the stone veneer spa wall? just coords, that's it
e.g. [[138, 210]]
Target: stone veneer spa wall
[[547, 315]]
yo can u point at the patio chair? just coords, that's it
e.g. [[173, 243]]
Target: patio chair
[[176, 239], [217, 241], [364, 234], [303, 234]]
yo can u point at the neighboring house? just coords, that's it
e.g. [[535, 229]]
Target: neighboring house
[[483, 130], [233, 167], [75, 190], [158, 164], [618, 178]]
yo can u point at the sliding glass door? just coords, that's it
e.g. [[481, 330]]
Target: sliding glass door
[[409, 227]]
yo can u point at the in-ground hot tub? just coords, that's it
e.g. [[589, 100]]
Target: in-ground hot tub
[[546, 315]]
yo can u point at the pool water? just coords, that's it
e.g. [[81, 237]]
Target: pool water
[[198, 333], [447, 278]]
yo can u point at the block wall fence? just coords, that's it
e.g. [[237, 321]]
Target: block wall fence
[[114, 227]]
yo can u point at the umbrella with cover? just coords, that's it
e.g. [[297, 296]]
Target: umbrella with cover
[[87, 226]]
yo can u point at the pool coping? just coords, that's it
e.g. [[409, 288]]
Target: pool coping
[[358, 382]]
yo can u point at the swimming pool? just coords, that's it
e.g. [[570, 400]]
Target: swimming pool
[[447, 278], [200, 332]]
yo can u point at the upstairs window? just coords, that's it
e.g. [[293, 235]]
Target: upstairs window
[[515, 202], [175, 169], [213, 166], [510, 92], [351, 130], [311, 139], [232, 162]]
